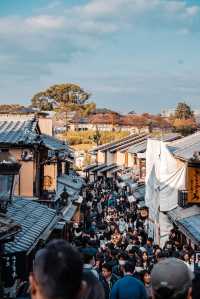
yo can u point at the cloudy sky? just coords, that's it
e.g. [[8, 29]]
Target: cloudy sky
[[141, 55]]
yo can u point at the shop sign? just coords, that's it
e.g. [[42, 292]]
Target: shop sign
[[193, 185]]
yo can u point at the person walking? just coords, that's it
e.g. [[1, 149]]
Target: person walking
[[128, 286], [108, 279]]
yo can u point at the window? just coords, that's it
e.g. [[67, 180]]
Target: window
[[5, 186]]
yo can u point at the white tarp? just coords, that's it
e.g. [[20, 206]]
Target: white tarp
[[164, 177]]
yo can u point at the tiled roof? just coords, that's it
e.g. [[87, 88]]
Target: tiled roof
[[184, 148], [73, 185], [89, 167], [107, 145], [188, 221], [141, 147], [121, 143], [138, 148], [8, 227], [108, 168], [23, 131], [53, 143], [98, 167], [34, 219], [18, 131], [124, 146]]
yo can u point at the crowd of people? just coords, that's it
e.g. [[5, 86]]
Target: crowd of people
[[111, 256], [114, 240]]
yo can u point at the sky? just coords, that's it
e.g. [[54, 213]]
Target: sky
[[141, 55]]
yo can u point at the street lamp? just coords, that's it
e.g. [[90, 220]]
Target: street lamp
[[9, 167]]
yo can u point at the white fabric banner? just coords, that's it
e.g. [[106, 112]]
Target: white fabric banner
[[164, 177]]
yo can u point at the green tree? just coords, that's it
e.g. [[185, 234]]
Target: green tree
[[183, 111], [62, 96]]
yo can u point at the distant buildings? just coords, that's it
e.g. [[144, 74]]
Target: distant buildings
[[114, 122]]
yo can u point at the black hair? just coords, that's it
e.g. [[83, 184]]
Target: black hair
[[129, 267], [87, 257], [58, 270], [107, 266], [142, 274], [94, 289]]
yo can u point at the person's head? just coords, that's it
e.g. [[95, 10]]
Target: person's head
[[186, 257], [149, 242], [106, 270], [171, 279], [145, 277], [57, 272], [169, 245], [88, 258], [145, 256], [129, 268], [92, 287]]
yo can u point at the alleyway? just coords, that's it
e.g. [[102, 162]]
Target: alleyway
[[115, 232]]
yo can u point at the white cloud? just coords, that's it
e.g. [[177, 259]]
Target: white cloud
[[44, 22], [56, 36], [193, 10]]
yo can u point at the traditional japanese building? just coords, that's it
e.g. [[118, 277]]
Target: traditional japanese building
[[173, 187], [43, 158]]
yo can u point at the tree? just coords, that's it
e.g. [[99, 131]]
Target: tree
[[63, 97], [184, 126], [183, 111], [96, 137]]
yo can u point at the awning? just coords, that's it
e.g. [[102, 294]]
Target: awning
[[69, 213], [108, 168], [188, 221], [98, 167], [90, 167], [118, 168]]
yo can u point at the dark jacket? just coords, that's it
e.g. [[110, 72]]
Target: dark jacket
[[128, 287], [108, 287]]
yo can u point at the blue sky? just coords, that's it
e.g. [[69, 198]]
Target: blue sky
[[140, 55]]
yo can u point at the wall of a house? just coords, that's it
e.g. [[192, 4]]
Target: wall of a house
[[110, 158], [100, 157], [50, 177], [46, 125], [120, 158], [24, 181], [130, 160]]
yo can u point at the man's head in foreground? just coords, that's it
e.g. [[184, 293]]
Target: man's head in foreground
[[172, 279], [57, 272]]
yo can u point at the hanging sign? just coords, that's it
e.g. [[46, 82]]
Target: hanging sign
[[193, 184]]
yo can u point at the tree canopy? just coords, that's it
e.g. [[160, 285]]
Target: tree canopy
[[63, 97], [183, 111]]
